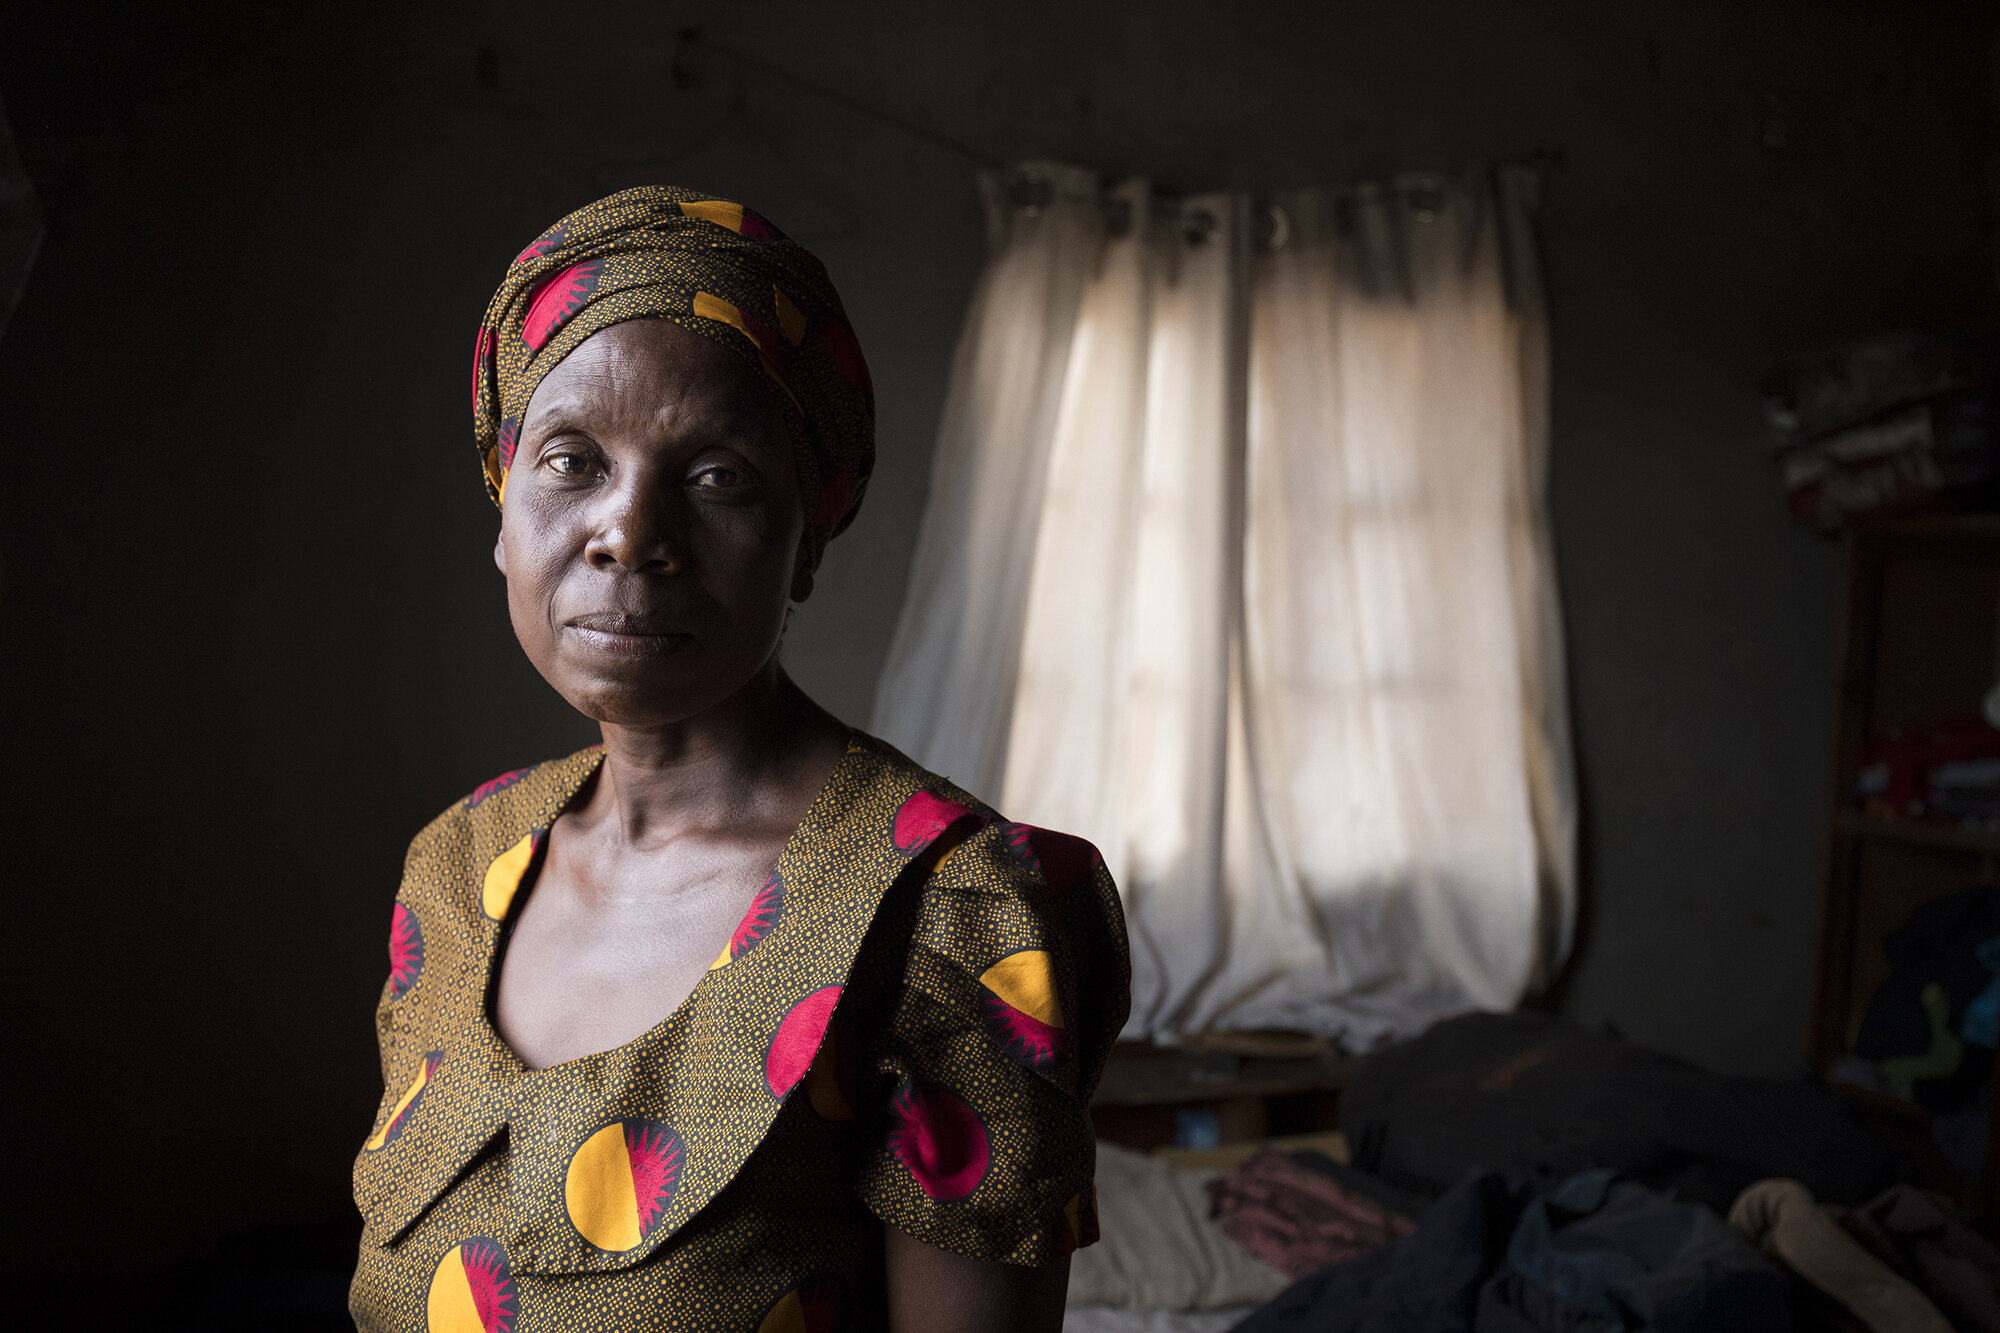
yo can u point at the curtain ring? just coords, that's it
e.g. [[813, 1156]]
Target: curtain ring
[[1031, 194], [1199, 226], [1274, 228]]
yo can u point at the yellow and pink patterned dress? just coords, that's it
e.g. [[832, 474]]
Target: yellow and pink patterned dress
[[905, 1028]]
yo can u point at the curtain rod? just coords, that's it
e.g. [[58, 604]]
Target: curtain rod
[[685, 77]]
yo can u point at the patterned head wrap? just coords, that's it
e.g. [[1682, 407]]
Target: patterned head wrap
[[715, 268]]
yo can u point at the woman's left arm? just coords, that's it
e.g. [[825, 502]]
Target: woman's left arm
[[936, 1291]]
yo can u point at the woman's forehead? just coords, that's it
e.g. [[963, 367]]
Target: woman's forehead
[[641, 368]]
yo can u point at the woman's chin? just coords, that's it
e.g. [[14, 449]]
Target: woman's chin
[[645, 695]]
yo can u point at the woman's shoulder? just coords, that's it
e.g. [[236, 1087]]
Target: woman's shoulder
[[500, 815], [1016, 923], [986, 849]]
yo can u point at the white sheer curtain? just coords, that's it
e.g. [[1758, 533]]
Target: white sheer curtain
[[1236, 562]]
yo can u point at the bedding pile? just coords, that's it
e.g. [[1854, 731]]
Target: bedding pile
[[1300, 1215], [1190, 1250], [1525, 1090], [1510, 1252], [1785, 1221], [1512, 1173], [1922, 1240]]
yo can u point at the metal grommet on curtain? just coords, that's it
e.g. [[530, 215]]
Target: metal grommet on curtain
[[1274, 228], [1031, 194], [1198, 226]]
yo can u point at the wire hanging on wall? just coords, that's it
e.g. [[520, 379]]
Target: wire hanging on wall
[[1027, 189]]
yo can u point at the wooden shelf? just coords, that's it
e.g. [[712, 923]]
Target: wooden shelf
[[1168, 1078], [1956, 527], [1144, 1091], [1916, 833], [1916, 651]]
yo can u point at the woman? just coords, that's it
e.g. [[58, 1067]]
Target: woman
[[740, 1020]]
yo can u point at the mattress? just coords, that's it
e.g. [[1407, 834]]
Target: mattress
[[1104, 1319]]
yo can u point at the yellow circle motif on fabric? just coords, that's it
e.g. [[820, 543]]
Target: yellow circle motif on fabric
[[1026, 982], [503, 878], [392, 1124], [603, 1203], [451, 1307], [472, 1290], [621, 1182], [787, 1316], [722, 212]]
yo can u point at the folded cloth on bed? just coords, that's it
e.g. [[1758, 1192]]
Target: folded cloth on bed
[[1159, 1249], [1510, 1252], [1297, 1218], [1499, 1090]]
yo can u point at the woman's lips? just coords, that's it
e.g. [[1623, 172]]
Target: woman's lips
[[624, 636]]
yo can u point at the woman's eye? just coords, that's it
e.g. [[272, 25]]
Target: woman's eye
[[718, 477], [568, 464]]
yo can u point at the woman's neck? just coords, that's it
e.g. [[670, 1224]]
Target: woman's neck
[[732, 767]]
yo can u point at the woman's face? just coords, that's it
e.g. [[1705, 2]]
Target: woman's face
[[651, 533]]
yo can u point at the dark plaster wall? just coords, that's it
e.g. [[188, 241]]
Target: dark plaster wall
[[251, 637]]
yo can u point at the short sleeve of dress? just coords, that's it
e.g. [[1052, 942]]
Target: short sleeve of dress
[[1013, 985], [422, 948], [395, 1011]]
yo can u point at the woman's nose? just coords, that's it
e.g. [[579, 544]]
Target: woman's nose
[[637, 531]]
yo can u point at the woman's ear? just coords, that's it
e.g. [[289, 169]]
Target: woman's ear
[[500, 553]]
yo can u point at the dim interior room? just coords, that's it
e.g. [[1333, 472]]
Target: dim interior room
[[253, 637]]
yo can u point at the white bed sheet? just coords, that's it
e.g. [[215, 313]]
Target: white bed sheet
[[1163, 1264]]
